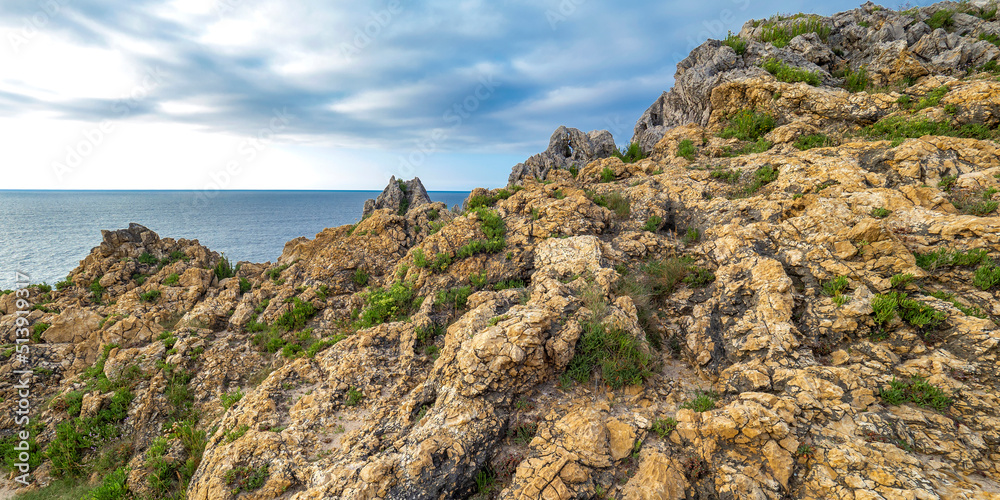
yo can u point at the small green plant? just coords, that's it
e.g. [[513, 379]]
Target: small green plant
[[172, 280], [629, 154], [880, 212], [243, 479], [616, 353], [835, 286], [857, 81], [223, 269], [231, 398], [901, 280], [918, 391], [806, 142], [761, 177], [790, 74], [805, 450], [780, 35], [478, 280], [987, 276], [738, 44], [691, 236], [354, 397], [703, 401], [727, 176], [454, 297], [898, 128], [905, 101], [664, 426], [150, 296], [386, 304], [947, 182], [840, 299], [919, 315], [943, 257], [686, 149], [943, 18], [748, 125], [653, 223], [608, 175], [360, 276], [147, 259]]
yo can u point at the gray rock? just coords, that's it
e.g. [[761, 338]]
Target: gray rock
[[399, 196], [567, 146], [136, 234]]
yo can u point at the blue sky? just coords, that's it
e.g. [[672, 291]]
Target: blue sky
[[303, 94]]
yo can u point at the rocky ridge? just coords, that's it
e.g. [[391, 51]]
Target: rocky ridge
[[750, 274]]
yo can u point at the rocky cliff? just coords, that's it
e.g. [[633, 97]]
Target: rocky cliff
[[795, 295]]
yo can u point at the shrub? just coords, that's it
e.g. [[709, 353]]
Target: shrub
[[748, 125], [653, 223], [244, 285], [246, 479], [857, 81], [478, 280], [147, 258], [790, 74], [361, 276], [686, 149], [738, 44], [617, 354], [629, 154], [96, 289], [779, 36], [172, 280], [386, 304], [64, 284], [880, 212], [691, 236], [480, 200], [297, 316], [619, 204], [917, 391], [456, 297], [607, 175], [74, 437], [806, 142], [698, 277], [703, 401], [987, 276], [941, 19], [150, 296], [508, 284], [223, 269], [114, 486]]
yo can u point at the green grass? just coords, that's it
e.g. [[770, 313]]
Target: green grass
[[607, 175], [728, 176], [454, 297], [354, 397], [978, 202], [172, 279], [96, 290], [653, 223], [898, 128], [230, 398], [296, 317], [754, 147], [147, 258], [65, 489], [275, 272], [779, 36], [630, 154], [835, 286], [806, 142], [614, 353], [990, 37], [880, 212], [790, 74], [901, 280], [703, 401], [686, 149], [479, 279], [761, 177], [973, 311], [748, 125], [73, 438], [691, 236], [933, 98], [943, 18], [917, 391], [613, 201], [360, 277], [150, 296], [738, 44]]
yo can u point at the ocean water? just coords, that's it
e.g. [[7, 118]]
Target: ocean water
[[45, 234]]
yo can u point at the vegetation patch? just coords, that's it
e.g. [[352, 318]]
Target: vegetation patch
[[653, 223], [387, 304], [738, 44], [703, 401], [806, 142], [933, 98], [943, 18], [917, 391], [857, 81], [880, 212], [943, 257], [628, 154], [899, 128], [223, 269], [615, 353], [243, 479], [686, 149], [761, 177], [454, 297], [790, 74], [613, 201], [780, 35], [978, 202], [917, 314], [748, 125], [664, 426]]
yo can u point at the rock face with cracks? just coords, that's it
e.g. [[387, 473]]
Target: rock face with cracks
[[424, 353]]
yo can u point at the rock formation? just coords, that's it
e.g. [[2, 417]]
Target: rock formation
[[399, 196], [567, 147], [793, 296]]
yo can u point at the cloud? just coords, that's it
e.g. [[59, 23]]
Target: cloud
[[382, 75]]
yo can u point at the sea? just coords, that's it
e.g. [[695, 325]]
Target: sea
[[45, 234]]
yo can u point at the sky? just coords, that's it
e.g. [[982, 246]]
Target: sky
[[311, 94]]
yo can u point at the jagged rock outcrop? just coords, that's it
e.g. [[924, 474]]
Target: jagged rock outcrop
[[399, 196], [724, 323], [889, 45], [567, 147]]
